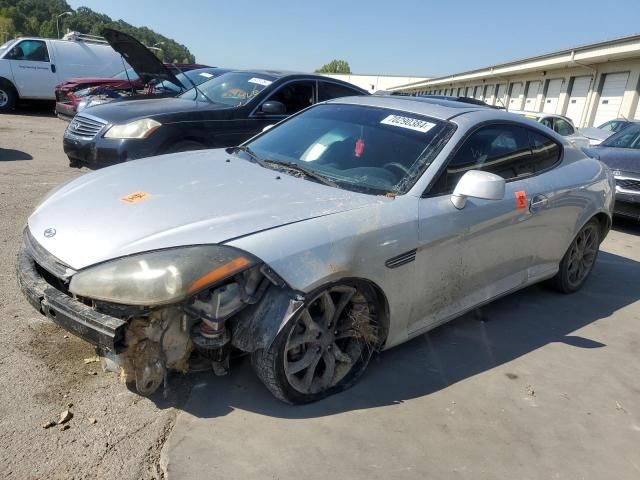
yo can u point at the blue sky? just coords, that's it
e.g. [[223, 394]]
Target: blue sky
[[398, 37]]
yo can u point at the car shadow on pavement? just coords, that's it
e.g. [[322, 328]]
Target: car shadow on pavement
[[511, 327], [11, 155]]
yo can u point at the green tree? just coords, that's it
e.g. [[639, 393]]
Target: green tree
[[335, 66]]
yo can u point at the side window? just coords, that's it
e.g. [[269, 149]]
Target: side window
[[564, 128], [30, 50], [546, 152], [500, 149], [547, 122], [328, 90], [295, 96]]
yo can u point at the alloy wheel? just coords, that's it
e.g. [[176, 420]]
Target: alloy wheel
[[334, 334], [582, 255]]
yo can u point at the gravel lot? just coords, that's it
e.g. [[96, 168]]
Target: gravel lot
[[547, 387]]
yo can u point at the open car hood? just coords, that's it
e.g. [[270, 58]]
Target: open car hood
[[141, 59]]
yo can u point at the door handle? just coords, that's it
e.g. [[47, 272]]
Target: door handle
[[53, 67], [538, 202]]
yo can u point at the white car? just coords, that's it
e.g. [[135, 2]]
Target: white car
[[31, 67], [597, 135], [561, 125]]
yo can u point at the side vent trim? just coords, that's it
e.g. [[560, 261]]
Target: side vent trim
[[401, 259]]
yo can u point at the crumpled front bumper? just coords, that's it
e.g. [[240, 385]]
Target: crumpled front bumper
[[72, 315]]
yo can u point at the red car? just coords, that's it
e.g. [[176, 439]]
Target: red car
[[132, 81]]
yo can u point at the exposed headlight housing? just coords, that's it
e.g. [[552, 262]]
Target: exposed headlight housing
[[161, 277], [137, 129]]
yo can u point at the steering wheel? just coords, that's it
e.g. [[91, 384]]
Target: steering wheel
[[399, 166]]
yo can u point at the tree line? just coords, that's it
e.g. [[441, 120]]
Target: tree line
[[38, 18]]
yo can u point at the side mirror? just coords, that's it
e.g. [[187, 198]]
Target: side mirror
[[477, 184], [273, 107]]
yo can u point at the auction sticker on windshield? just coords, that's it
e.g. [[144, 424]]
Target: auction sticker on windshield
[[260, 81], [408, 122]]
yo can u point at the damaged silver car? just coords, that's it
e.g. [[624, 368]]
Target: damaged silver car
[[347, 229]]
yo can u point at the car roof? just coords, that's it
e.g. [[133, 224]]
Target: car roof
[[432, 107], [540, 114]]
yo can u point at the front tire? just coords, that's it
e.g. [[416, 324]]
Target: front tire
[[326, 348], [8, 97], [578, 261]]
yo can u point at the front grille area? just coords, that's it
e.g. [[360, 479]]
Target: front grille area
[[85, 127], [628, 184]]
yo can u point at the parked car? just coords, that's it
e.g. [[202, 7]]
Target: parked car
[[350, 227], [31, 67], [100, 95], [559, 124], [604, 131], [221, 112], [621, 153], [145, 71], [471, 100]]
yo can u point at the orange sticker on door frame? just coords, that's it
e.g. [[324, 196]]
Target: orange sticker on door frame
[[135, 197], [521, 200]]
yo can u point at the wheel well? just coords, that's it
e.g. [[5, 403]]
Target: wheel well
[[604, 221], [8, 83], [384, 316]]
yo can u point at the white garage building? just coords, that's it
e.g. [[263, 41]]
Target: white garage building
[[589, 84]]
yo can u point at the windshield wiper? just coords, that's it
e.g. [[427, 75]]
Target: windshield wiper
[[243, 148], [294, 167]]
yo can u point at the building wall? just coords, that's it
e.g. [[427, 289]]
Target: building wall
[[609, 76], [373, 83]]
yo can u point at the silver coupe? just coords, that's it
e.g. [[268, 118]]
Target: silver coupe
[[346, 229]]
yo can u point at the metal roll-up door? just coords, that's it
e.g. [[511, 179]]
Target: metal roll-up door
[[500, 95], [532, 95], [552, 96], [488, 94], [611, 97], [516, 98], [578, 99]]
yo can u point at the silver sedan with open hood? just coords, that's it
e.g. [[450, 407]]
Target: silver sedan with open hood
[[347, 229]]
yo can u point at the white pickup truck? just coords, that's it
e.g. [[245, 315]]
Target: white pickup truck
[[31, 67]]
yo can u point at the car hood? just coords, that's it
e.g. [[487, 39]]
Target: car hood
[[142, 60], [90, 81], [189, 198], [623, 159], [595, 133], [128, 110]]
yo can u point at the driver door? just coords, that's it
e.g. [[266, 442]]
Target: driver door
[[32, 68]]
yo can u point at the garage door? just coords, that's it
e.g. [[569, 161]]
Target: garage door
[[516, 98], [488, 94], [578, 99], [551, 98], [532, 95], [611, 97], [500, 95], [469, 92]]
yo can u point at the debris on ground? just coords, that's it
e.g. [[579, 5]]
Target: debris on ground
[[92, 420], [94, 359], [65, 417], [620, 407], [531, 391], [49, 424], [64, 427]]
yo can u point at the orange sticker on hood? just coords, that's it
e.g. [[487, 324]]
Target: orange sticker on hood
[[135, 197]]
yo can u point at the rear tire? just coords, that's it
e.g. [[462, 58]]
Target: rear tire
[[8, 96], [326, 348], [577, 263], [185, 146]]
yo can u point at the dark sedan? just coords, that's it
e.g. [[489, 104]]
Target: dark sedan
[[221, 112], [621, 153]]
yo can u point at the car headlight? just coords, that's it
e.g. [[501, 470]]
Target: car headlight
[[137, 129], [161, 277]]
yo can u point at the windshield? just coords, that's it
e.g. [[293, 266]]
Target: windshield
[[614, 125], [234, 89], [130, 72], [4, 47], [627, 138], [196, 76], [360, 148]]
